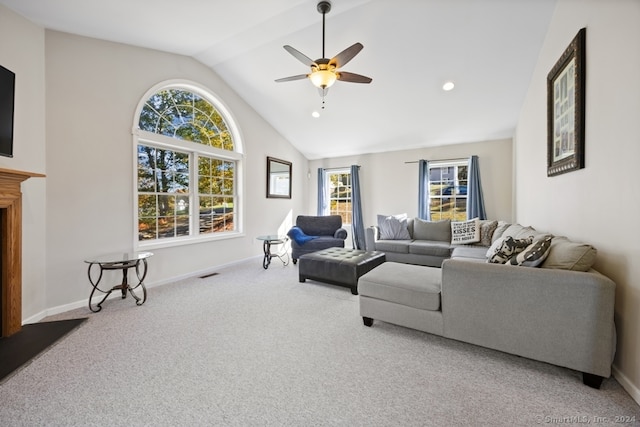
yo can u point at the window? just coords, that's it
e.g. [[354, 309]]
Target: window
[[338, 186], [187, 168], [448, 190]]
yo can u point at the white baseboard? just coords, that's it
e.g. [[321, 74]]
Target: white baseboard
[[83, 303], [626, 383]]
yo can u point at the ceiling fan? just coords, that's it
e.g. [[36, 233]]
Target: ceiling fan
[[324, 71]]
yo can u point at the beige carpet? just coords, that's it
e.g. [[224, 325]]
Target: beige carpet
[[254, 347]]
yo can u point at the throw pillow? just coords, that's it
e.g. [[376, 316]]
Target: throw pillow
[[534, 254], [568, 255], [509, 248], [465, 232], [299, 236], [495, 246], [393, 227], [487, 228], [432, 230], [499, 231]]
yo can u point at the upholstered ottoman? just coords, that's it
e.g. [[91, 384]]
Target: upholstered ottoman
[[339, 266], [402, 294]]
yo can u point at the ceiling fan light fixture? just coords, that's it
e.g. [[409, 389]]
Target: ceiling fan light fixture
[[324, 70], [323, 78]]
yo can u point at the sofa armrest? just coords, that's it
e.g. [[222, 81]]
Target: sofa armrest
[[557, 316], [371, 237], [340, 233]]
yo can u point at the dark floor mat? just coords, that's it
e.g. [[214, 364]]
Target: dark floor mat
[[21, 347]]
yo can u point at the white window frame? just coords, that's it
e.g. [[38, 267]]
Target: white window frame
[[328, 173], [444, 164], [194, 149]]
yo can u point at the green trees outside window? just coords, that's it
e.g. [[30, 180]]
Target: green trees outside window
[[186, 168], [339, 186]]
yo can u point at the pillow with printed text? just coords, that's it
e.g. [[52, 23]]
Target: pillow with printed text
[[464, 232]]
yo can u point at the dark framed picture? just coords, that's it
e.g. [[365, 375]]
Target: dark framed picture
[[278, 178], [565, 109]]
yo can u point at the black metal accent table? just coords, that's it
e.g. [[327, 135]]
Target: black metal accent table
[[124, 262], [269, 240]]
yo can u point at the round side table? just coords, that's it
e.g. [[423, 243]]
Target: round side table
[[122, 261], [282, 254]]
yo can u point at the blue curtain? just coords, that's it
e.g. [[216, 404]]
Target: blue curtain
[[357, 224], [423, 190], [475, 201], [322, 191]]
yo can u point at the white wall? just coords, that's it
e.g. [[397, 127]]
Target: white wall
[[593, 204], [390, 184], [93, 89], [22, 51]]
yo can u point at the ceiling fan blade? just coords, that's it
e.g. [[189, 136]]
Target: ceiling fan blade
[[299, 55], [292, 78], [346, 55], [353, 78]]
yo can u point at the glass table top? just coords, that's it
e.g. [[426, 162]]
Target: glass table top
[[273, 238], [119, 257]]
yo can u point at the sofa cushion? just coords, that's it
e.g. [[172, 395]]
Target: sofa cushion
[[397, 246], [463, 232], [430, 247], [499, 231], [516, 230], [411, 285], [567, 255], [323, 242], [534, 254], [470, 253], [509, 248], [393, 227], [432, 230], [410, 226]]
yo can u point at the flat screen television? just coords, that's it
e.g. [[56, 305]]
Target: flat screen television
[[7, 94]]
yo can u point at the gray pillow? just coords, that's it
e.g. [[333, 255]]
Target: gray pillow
[[393, 227], [499, 231], [514, 230], [428, 230], [568, 255]]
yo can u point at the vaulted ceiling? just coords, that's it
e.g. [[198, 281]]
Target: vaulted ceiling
[[488, 48]]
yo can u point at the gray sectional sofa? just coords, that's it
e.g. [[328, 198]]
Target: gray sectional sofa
[[560, 312], [428, 243]]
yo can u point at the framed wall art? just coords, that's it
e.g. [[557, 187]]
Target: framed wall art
[[565, 109]]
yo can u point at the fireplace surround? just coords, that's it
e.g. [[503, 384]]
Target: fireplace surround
[[11, 258]]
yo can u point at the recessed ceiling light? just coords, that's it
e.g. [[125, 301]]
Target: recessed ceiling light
[[448, 86], [315, 114]]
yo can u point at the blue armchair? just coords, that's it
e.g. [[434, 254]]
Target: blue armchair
[[327, 232]]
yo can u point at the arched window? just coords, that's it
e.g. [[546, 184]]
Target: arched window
[[187, 167]]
